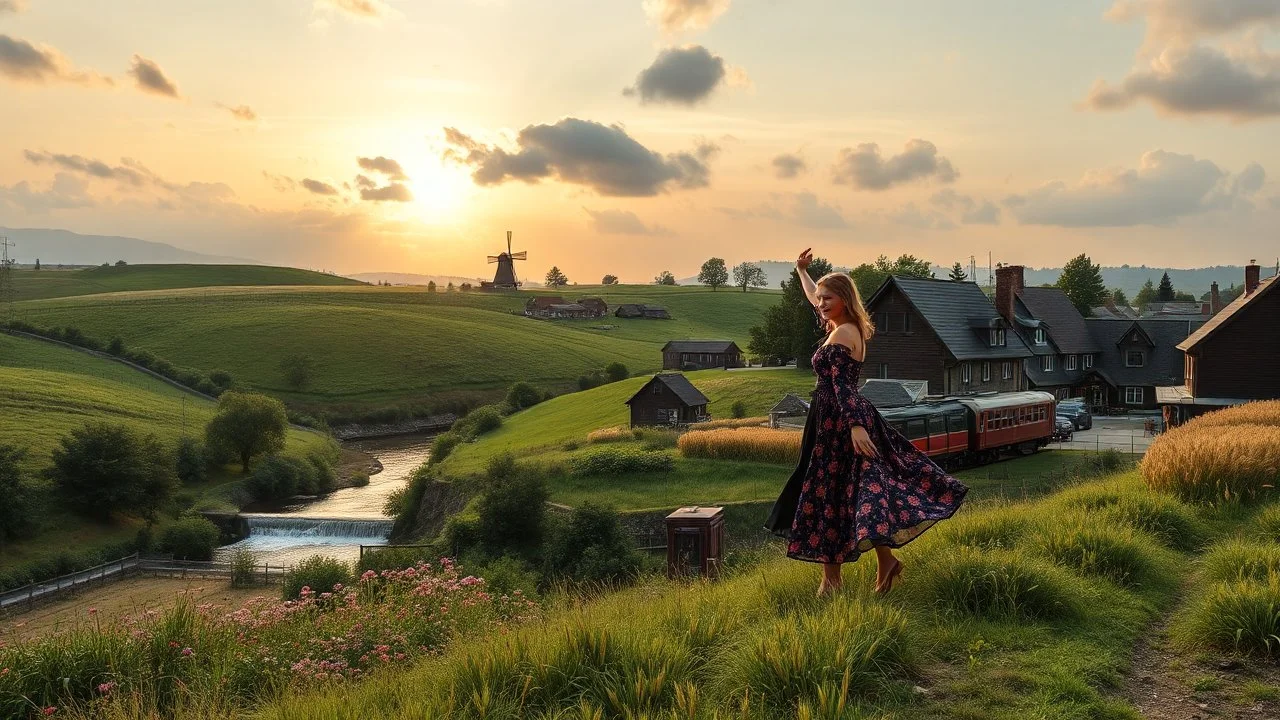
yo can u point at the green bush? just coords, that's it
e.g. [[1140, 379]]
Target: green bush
[[461, 533], [616, 371], [243, 565], [506, 575], [102, 468], [283, 476], [190, 461], [191, 538], [21, 502], [319, 573], [1237, 616], [392, 558], [739, 409], [592, 547], [443, 445], [512, 508], [591, 379], [523, 395], [619, 459], [360, 479], [479, 421]]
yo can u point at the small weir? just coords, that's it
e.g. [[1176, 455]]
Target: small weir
[[341, 531]]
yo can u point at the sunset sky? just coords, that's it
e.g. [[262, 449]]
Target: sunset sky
[[633, 136]]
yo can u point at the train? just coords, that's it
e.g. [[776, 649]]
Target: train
[[959, 432]]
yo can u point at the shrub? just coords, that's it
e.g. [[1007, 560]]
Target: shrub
[[751, 444], [443, 445], [616, 460], [508, 575], [319, 573], [739, 409], [243, 565], [101, 468], [220, 379], [297, 369], [571, 445], [190, 461], [591, 547], [479, 421], [523, 395], [1210, 464], [391, 558], [461, 533], [512, 508], [616, 371], [116, 346], [283, 476], [591, 379], [21, 500], [360, 479], [192, 538]]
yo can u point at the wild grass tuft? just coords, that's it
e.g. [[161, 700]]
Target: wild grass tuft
[[1240, 616], [1215, 463], [1237, 559], [746, 443], [1000, 585], [1114, 552]]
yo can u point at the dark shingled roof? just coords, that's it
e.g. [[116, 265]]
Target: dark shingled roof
[[1164, 364], [1225, 315], [701, 346], [678, 384], [791, 404], [1063, 321], [886, 393], [949, 308]]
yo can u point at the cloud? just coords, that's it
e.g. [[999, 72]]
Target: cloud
[[1189, 19], [986, 214], [912, 216], [150, 78], [383, 165], [20, 61], [622, 222], [788, 166], [365, 183], [13, 6], [1197, 80], [66, 192], [395, 192], [582, 152], [682, 76], [866, 169], [803, 209], [282, 183], [319, 188], [241, 112], [367, 9], [676, 15], [972, 212], [129, 174], [1165, 187]]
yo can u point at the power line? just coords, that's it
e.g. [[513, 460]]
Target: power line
[[6, 280]]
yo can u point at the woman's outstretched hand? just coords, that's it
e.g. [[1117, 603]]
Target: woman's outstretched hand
[[862, 442], [805, 258]]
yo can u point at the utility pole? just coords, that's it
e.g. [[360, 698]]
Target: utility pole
[[6, 279]]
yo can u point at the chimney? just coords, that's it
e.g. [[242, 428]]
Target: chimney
[[1252, 273], [1009, 282], [1215, 300]]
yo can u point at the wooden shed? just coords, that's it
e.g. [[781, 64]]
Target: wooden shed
[[668, 399], [700, 355]]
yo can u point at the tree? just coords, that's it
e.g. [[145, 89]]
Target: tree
[[1118, 298], [616, 371], [190, 462], [102, 468], [555, 278], [247, 424], [37, 263], [714, 273], [512, 508], [592, 546], [749, 275], [121, 263], [297, 369], [1164, 293], [523, 395], [1180, 296], [449, 287], [609, 280], [957, 273], [664, 278], [20, 508], [431, 286], [1145, 296], [789, 328], [870, 276], [192, 538], [1081, 281]]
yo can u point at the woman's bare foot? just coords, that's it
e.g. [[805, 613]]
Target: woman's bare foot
[[826, 589], [885, 578]]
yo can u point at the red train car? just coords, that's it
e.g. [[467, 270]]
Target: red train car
[[965, 431]]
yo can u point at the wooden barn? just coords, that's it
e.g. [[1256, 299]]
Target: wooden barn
[[633, 310], [541, 304], [668, 399], [700, 355], [595, 306]]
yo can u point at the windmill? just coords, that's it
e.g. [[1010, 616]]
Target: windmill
[[505, 277]]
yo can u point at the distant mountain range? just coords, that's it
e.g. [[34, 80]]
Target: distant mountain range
[[63, 247], [396, 278]]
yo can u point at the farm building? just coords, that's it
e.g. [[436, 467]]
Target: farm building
[[1062, 348], [541, 303], [789, 409], [633, 310], [566, 310], [595, 306], [700, 354], [668, 399]]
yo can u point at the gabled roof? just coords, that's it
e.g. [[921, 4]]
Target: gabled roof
[[1134, 331], [1174, 307], [1063, 321], [893, 393], [949, 308], [1228, 313], [678, 384], [791, 404], [701, 346], [1164, 362]]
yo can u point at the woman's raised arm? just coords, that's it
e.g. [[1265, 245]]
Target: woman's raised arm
[[802, 269]]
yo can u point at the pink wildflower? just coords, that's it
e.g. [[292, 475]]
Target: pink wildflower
[[187, 652], [106, 688], [49, 710]]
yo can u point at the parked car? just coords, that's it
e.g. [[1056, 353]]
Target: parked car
[[1062, 428], [1076, 411]]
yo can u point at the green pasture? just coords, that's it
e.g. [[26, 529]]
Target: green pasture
[[51, 283]]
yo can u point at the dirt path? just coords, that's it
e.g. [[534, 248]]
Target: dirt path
[[125, 597], [1169, 684]]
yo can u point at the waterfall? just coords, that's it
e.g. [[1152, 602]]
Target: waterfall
[[319, 530]]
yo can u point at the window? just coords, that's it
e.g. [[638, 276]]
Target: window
[[1133, 396], [937, 425], [995, 337], [657, 388], [915, 429], [1088, 361], [1046, 363], [1135, 358], [906, 322], [1006, 371], [881, 320], [966, 373], [986, 372], [956, 422], [1040, 340], [883, 371], [1070, 363]]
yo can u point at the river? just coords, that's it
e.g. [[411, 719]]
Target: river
[[340, 522]]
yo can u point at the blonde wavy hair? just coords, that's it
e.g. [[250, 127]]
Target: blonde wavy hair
[[842, 286]]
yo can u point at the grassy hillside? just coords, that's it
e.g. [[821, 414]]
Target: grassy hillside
[[378, 346], [47, 283]]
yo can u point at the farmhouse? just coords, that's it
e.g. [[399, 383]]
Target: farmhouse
[[789, 408], [1053, 329], [1134, 358], [1231, 359], [541, 304], [700, 355], [595, 306], [668, 399], [945, 333], [633, 310]]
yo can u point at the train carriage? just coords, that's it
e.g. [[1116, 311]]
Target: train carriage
[[964, 431]]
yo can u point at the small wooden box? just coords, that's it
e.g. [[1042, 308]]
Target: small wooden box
[[695, 541]]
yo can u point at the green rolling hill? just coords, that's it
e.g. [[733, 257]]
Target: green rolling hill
[[47, 283]]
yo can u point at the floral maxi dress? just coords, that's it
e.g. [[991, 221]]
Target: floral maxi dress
[[839, 504]]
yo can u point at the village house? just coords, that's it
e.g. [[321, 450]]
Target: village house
[[668, 399], [633, 310], [595, 306], [945, 333], [1231, 359], [700, 355], [541, 304], [1134, 358], [1063, 351]]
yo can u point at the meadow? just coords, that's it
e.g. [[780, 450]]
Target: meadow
[[378, 348], [50, 283]]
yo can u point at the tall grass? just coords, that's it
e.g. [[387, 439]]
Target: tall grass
[[1241, 616], [752, 444], [1261, 412], [729, 423], [1215, 463]]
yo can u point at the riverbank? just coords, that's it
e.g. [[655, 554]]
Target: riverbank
[[367, 431]]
